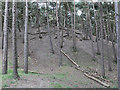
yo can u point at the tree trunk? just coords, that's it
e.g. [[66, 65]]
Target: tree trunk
[[0, 21], [96, 26], [58, 35], [37, 22], [51, 44], [66, 18], [74, 36], [5, 47], [26, 40], [113, 44], [102, 47], [61, 21], [117, 14], [1, 31], [109, 62], [91, 33], [14, 42]]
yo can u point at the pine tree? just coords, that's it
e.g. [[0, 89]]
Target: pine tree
[[26, 40], [14, 41], [58, 35], [102, 44], [50, 39], [5, 45], [117, 14]]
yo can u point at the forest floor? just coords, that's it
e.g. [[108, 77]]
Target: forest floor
[[49, 75]]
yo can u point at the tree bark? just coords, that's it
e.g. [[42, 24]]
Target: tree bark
[[74, 36], [109, 62], [0, 21], [50, 40], [5, 47], [26, 40], [113, 43], [91, 34], [117, 14], [58, 35], [14, 42], [37, 22], [96, 26], [102, 44]]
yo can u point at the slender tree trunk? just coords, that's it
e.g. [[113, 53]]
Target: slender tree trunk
[[58, 35], [105, 33], [113, 44], [5, 47], [0, 21], [117, 14], [102, 47], [37, 15], [91, 35], [87, 31], [109, 61], [24, 22], [2, 40], [51, 44], [26, 40], [61, 21], [14, 42], [1, 31], [73, 27], [96, 26], [62, 38], [66, 18], [64, 22], [19, 26], [74, 36]]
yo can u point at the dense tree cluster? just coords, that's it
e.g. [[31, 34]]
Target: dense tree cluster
[[99, 19]]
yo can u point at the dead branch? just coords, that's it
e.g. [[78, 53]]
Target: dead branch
[[69, 58], [97, 80]]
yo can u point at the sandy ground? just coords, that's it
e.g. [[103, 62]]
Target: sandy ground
[[42, 61]]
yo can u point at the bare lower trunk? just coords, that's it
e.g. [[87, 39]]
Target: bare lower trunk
[[5, 47], [74, 36], [58, 35], [14, 43], [61, 21], [26, 40], [113, 44], [0, 21], [37, 15], [102, 47], [90, 29], [50, 40], [109, 62], [118, 48], [117, 14]]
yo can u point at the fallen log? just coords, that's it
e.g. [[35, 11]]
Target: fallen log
[[37, 33], [69, 58], [97, 80], [87, 75]]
